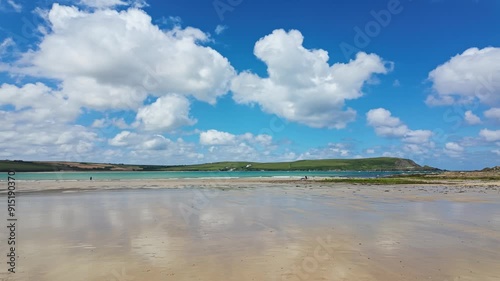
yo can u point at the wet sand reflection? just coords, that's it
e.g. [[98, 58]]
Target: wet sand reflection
[[254, 234]]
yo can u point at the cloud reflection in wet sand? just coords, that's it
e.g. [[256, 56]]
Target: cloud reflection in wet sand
[[245, 234]]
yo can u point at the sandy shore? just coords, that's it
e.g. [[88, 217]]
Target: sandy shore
[[85, 185], [255, 229]]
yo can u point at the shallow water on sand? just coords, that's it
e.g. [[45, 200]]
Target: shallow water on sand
[[263, 233]]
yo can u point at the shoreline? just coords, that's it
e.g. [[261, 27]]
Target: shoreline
[[40, 186]]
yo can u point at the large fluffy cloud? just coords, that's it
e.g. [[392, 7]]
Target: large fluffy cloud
[[38, 125], [474, 74], [302, 86], [23, 136], [110, 59], [37, 103], [98, 59]]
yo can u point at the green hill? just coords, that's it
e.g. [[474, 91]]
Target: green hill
[[367, 164]]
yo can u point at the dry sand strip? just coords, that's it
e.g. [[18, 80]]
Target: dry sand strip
[[442, 185]]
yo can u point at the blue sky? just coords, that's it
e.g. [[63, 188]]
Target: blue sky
[[177, 82]]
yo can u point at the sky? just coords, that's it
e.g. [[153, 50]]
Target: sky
[[184, 82]]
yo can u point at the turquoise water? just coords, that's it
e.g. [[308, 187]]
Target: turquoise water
[[170, 175]]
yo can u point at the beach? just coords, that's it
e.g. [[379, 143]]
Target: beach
[[255, 229], [233, 140], [29, 186]]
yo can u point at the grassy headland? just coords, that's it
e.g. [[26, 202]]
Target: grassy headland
[[367, 164]]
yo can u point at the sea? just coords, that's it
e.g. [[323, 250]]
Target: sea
[[139, 175]]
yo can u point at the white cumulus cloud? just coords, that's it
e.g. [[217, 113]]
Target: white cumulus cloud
[[214, 137], [165, 114], [301, 86], [22, 136], [490, 135], [471, 118], [493, 113], [38, 103], [152, 148], [223, 146], [454, 146], [140, 141], [417, 136], [107, 59], [474, 74], [386, 125], [453, 149]]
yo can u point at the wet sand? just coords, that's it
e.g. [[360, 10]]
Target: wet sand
[[88, 185], [254, 229]]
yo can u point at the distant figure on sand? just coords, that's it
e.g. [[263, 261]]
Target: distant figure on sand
[[304, 178], [90, 178]]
